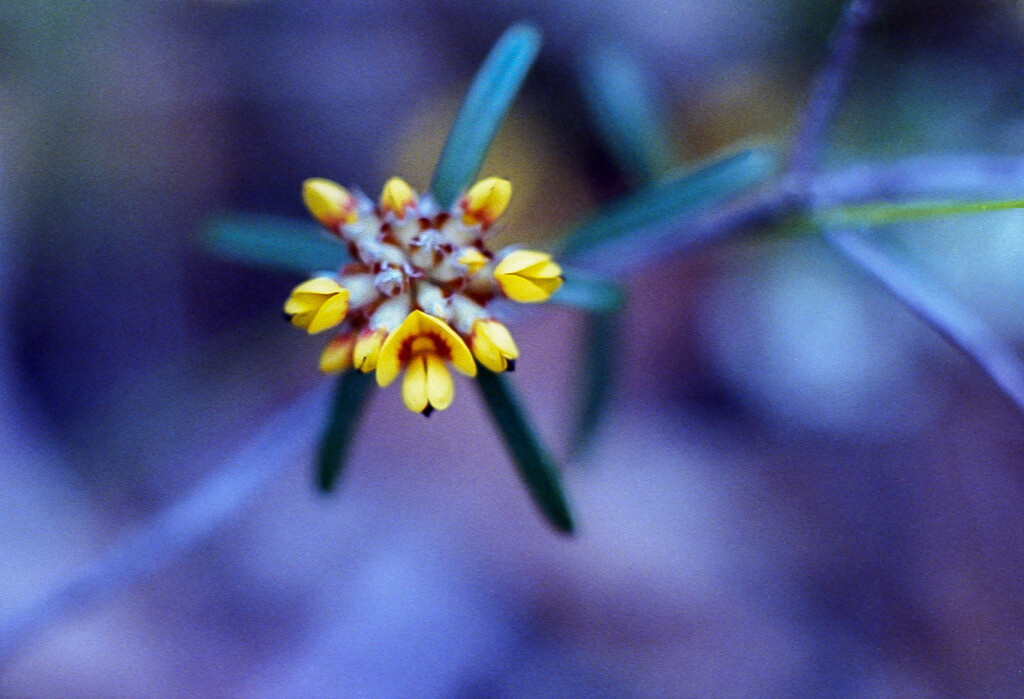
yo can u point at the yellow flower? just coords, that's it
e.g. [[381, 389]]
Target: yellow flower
[[421, 345], [473, 260], [317, 304], [528, 276], [492, 345], [486, 201], [337, 355], [329, 202], [397, 197]]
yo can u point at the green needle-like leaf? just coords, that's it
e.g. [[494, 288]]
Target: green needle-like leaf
[[273, 242], [627, 116], [880, 214], [679, 194], [589, 293], [535, 466], [350, 396], [494, 88]]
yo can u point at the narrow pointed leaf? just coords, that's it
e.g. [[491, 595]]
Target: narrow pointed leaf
[[589, 293], [681, 193], [494, 88], [880, 214], [626, 113], [350, 396], [937, 308], [534, 464], [272, 242]]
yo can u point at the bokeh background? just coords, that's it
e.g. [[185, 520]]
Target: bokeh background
[[798, 490]]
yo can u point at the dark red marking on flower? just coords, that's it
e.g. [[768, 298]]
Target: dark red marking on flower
[[447, 248], [441, 219], [453, 286], [353, 268], [440, 347], [482, 298], [424, 223], [353, 251]]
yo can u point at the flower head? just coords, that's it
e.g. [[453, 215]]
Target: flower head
[[419, 286]]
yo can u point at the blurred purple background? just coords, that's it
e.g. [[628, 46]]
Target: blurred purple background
[[798, 491]]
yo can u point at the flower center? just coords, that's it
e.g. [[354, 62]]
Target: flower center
[[427, 343]]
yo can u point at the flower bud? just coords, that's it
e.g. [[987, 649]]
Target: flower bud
[[527, 276], [486, 201], [397, 197], [492, 345], [317, 304], [329, 202]]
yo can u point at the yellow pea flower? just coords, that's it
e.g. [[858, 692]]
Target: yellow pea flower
[[329, 202], [492, 345], [396, 197], [421, 346], [337, 355], [486, 201], [317, 304], [528, 276]]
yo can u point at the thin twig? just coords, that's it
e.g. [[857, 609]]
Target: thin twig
[[944, 314], [898, 180], [828, 87], [934, 176], [222, 494]]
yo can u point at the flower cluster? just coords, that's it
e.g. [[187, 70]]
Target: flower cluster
[[417, 291]]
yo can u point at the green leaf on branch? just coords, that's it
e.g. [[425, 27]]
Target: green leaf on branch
[[588, 292], [535, 466], [273, 242], [626, 114], [350, 395], [880, 214], [680, 193], [493, 90]]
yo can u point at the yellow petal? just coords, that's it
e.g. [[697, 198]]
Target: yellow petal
[[397, 196], [542, 270], [440, 389], [501, 337], [473, 259], [486, 201], [337, 355], [518, 260], [388, 363], [487, 354], [414, 385], [526, 290], [329, 202], [367, 349], [331, 312]]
